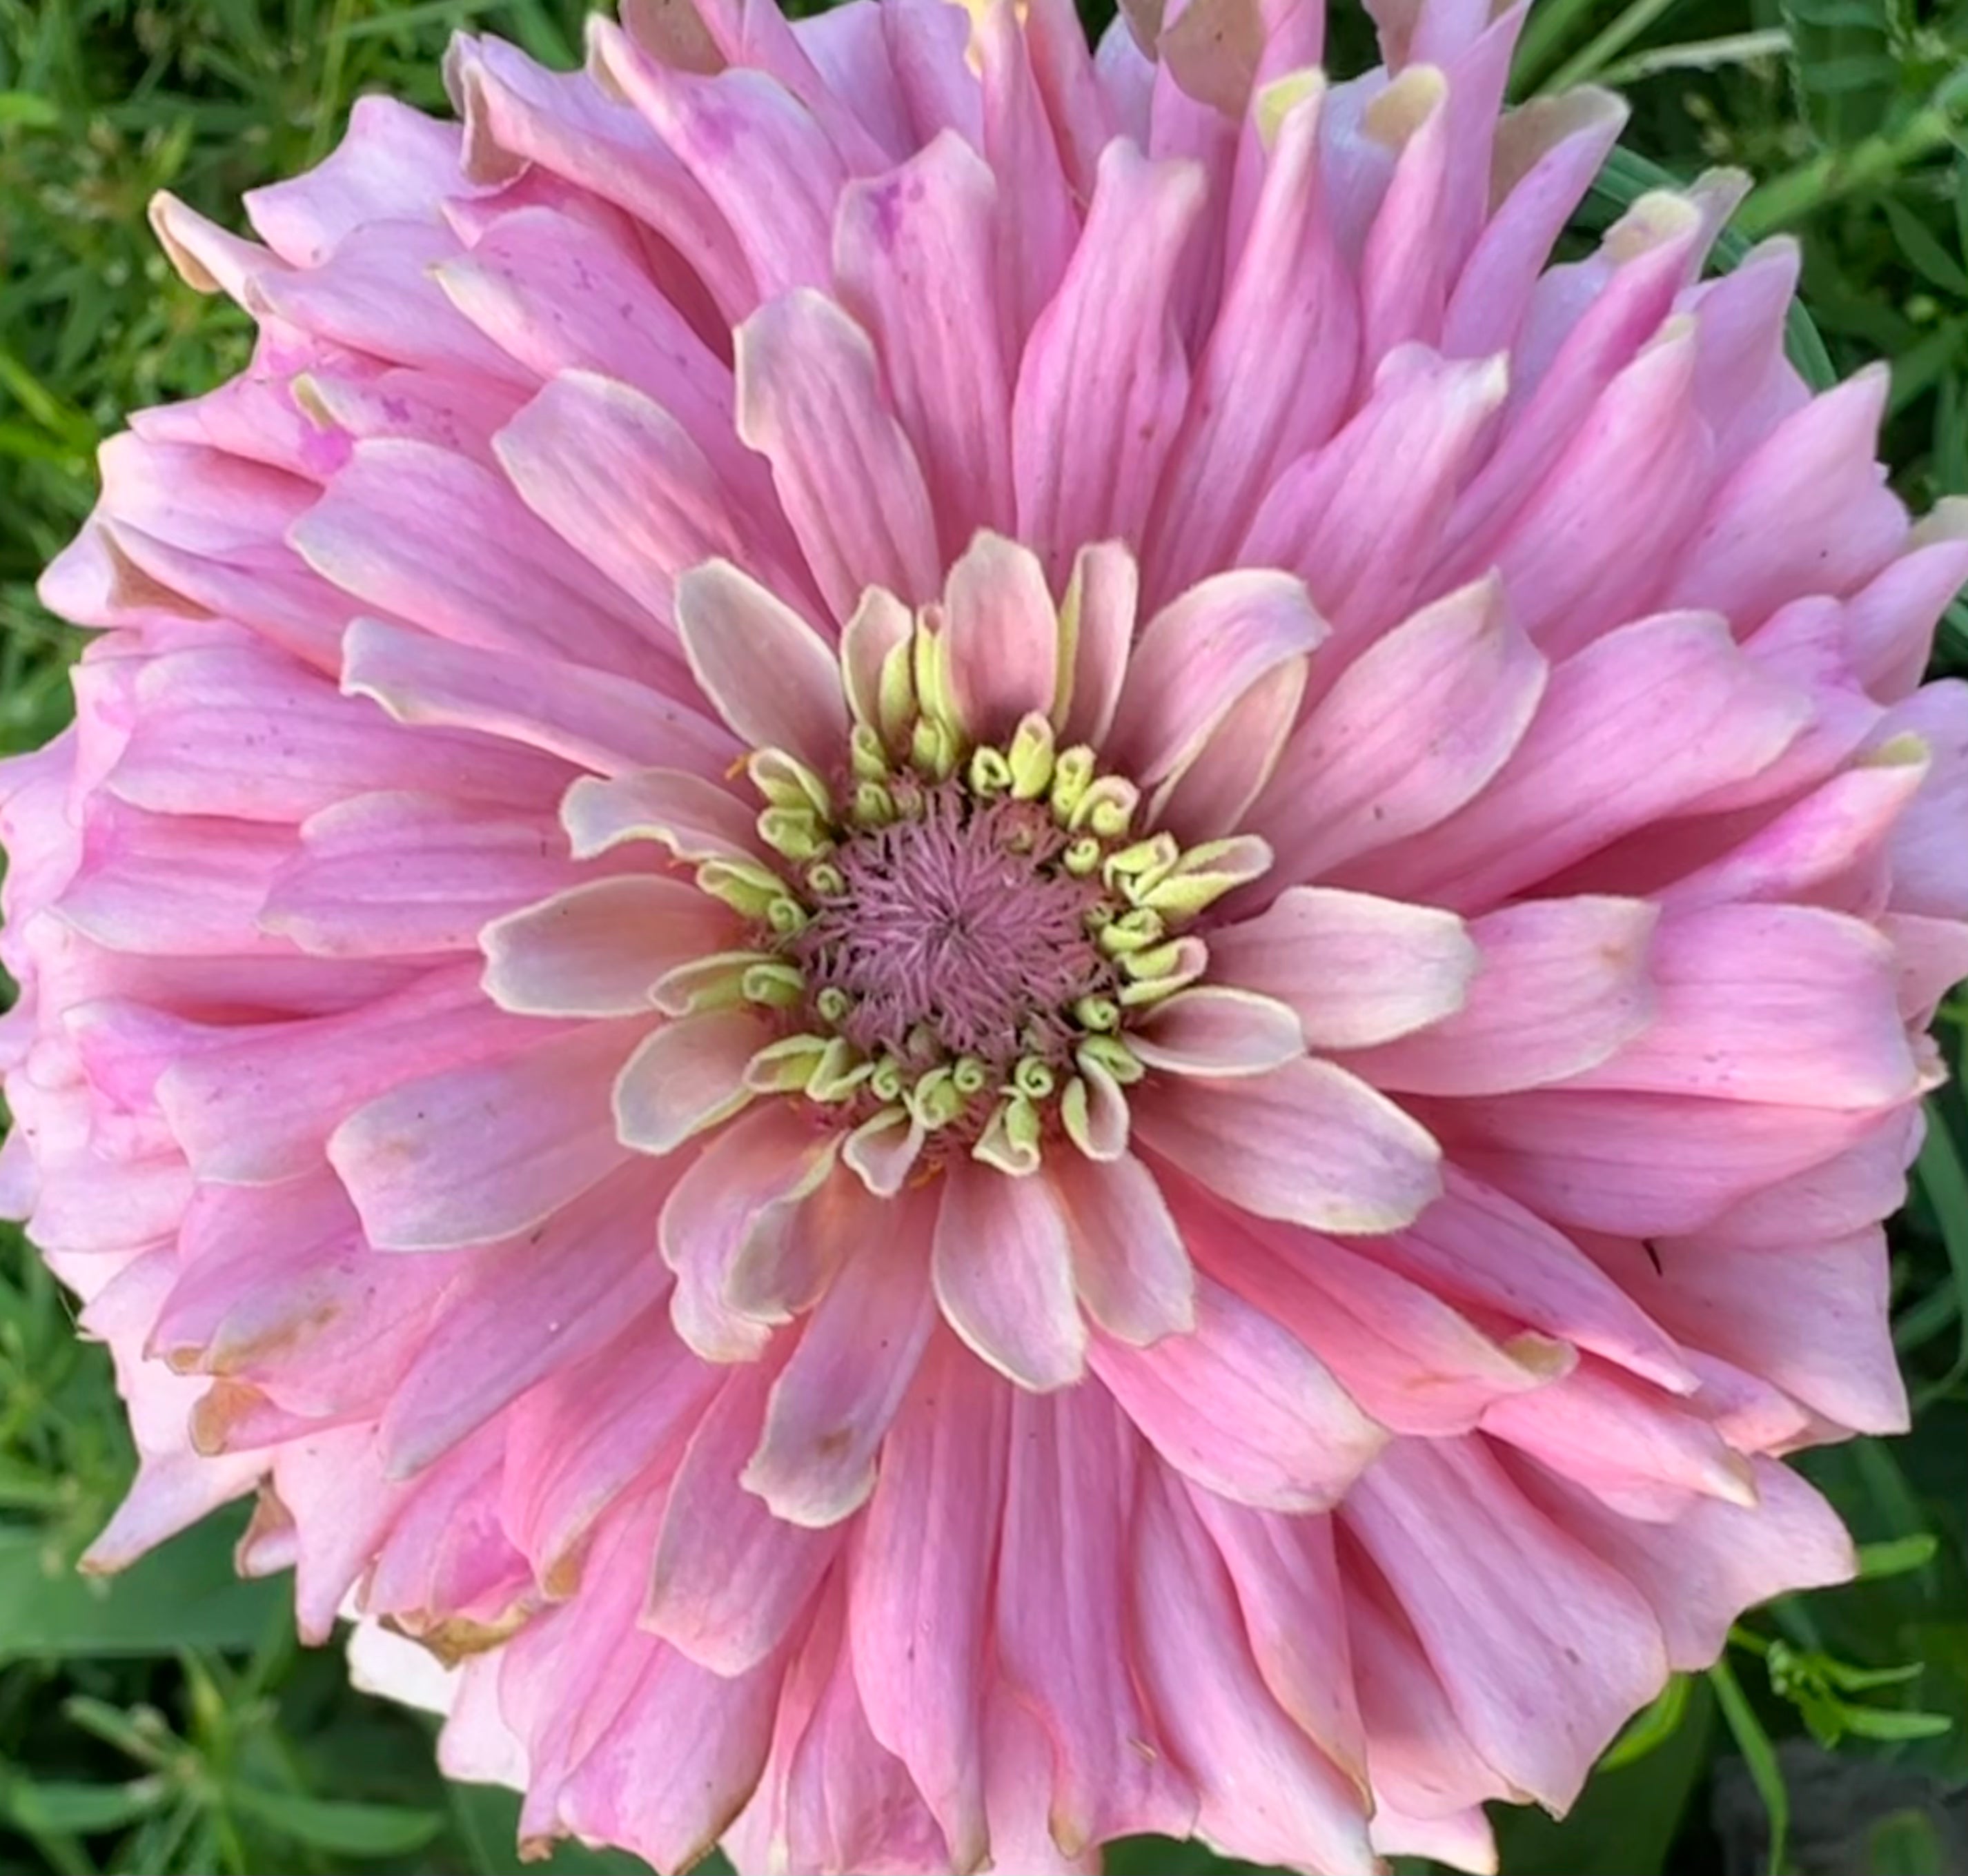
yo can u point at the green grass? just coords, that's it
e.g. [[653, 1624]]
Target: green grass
[[167, 1721]]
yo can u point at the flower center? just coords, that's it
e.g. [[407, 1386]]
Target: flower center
[[955, 931]]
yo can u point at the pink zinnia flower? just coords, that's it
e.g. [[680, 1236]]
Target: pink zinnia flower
[[971, 943]]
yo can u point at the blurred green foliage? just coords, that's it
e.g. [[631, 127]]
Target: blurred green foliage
[[167, 1721]]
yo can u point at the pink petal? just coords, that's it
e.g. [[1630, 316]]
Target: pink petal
[[1817, 470], [741, 1193], [1809, 1315], [380, 875], [1779, 1003], [392, 164], [1593, 1159], [694, 819], [619, 479], [1287, 1579], [434, 537], [689, 1075], [1475, 1246], [1266, 1791], [1216, 1031], [1560, 984], [1642, 1455], [1001, 637], [1542, 1650], [1130, 1265], [1242, 1407], [1457, 681], [591, 718], [729, 1581], [1097, 633], [1357, 970], [1306, 1143], [917, 1614], [1645, 452], [487, 1151], [1701, 1572], [1196, 657], [810, 400], [1359, 519], [1288, 296], [1412, 1364], [1061, 1598], [832, 1405], [1640, 726], [916, 261], [1102, 384], [597, 950], [197, 712], [543, 1301], [765, 670], [1002, 1265]]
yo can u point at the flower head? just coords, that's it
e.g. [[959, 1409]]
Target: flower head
[[977, 950]]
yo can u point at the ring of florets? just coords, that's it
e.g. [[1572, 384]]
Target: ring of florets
[[961, 934]]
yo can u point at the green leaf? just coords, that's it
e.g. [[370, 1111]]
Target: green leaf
[[34, 1806], [329, 1824], [26, 108], [1758, 1754], [183, 1595], [1923, 250], [1897, 1557], [1882, 1722], [1650, 1729]]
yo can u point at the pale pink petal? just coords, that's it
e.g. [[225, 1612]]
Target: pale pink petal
[[1356, 970], [695, 820], [1097, 632], [1559, 985], [1266, 1790], [1130, 1266], [1002, 1264], [1061, 1598], [1101, 384], [1417, 725], [689, 1075], [1216, 1031], [480, 1152], [1307, 1141], [728, 1580], [743, 1191], [597, 950], [1001, 637], [764, 669], [918, 1614], [916, 261], [1541, 1649], [1780, 1003], [832, 1405], [810, 400], [1242, 1407], [392, 165]]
